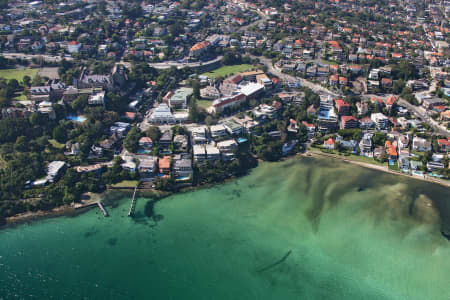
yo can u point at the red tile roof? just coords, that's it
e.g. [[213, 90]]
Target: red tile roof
[[443, 142], [200, 45], [341, 103], [330, 141]]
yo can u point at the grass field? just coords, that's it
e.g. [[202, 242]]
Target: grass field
[[20, 97], [17, 73], [352, 157], [204, 103], [329, 62], [228, 70], [126, 183], [55, 144], [366, 160]]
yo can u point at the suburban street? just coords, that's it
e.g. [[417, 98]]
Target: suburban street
[[49, 58], [181, 65], [286, 77], [420, 112]]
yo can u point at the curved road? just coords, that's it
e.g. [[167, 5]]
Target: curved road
[[50, 58], [313, 86], [180, 65]]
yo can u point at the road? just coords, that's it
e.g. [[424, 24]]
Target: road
[[180, 65], [286, 77], [421, 112], [49, 58]]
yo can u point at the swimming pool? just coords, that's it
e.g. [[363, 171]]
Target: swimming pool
[[80, 119]]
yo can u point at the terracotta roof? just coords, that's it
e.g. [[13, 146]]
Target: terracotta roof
[[164, 163], [330, 141], [200, 45], [130, 115], [334, 44], [349, 118], [341, 103], [145, 139], [391, 100], [308, 124], [443, 142]]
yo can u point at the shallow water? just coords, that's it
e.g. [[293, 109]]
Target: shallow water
[[301, 229]]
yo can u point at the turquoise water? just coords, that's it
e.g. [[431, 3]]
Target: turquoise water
[[344, 233]]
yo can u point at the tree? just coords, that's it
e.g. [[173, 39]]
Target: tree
[[59, 134], [231, 58], [302, 133], [37, 81], [154, 133], [131, 140], [176, 29], [13, 84], [398, 86], [193, 110], [379, 138], [196, 88], [21, 144], [178, 130], [209, 120], [80, 103], [26, 80]]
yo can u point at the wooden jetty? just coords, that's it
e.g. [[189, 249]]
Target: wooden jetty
[[105, 213], [133, 202]]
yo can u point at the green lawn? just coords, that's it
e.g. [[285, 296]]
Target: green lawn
[[126, 184], [228, 70], [366, 160], [329, 62], [55, 144], [20, 97], [204, 103], [17, 73], [351, 157]]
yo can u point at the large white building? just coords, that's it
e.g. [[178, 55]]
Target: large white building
[[180, 98], [162, 115], [212, 153], [198, 135], [381, 121], [199, 153], [251, 89], [217, 131]]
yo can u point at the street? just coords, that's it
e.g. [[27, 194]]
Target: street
[[420, 112], [49, 58], [286, 77]]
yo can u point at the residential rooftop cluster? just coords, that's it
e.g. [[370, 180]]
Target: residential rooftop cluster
[[171, 94]]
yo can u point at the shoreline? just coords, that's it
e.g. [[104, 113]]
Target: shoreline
[[68, 210], [374, 167], [79, 208], [59, 211]]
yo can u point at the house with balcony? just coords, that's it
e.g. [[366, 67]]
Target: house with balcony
[[348, 122]]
